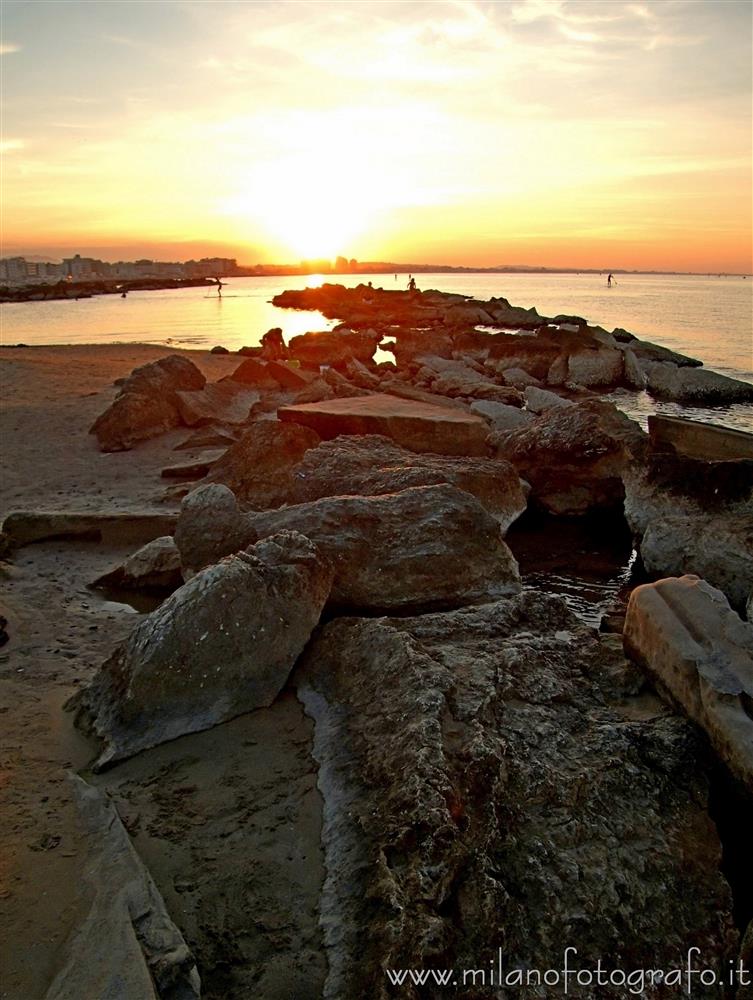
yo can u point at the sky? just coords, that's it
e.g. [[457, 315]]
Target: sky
[[540, 132]]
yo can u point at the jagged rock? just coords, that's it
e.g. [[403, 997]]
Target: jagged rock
[[226, 402], [633, 375], [416, 426], [429, 546], [193, 468], [360, 375], [334, 347], [255, 373], [155, 566], [120, 528], [288, 375], [719, 549], [221, 645], [258, 467], [470, 383], [489, 783], [518, 378], [147, 404], [373, 465], [695, 386], [339, 384], [574, 457], [500, 416], [699, 651], [539, 400], [126, 945]]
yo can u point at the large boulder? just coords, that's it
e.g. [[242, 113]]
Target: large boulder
[[493, 790], [336, 348], [574, 457], [694, 386], [539, 400], [370, 465], [147, 404], [700, 652], [473, 385], [221, 645], [598, 366], [424, 547], [258, 467], [224, 402], [719, 549], [415, 425]]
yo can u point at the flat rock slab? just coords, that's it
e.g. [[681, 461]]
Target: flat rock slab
[[24, 527], [417, 426], [126, 945], [683, 631], [709, 442], [193, 468], [226, 402]]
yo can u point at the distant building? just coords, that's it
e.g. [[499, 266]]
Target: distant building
[[13, 269], [78, 267]]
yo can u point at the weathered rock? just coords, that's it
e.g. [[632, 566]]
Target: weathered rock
[[500, 416], [193, 468], [211, 525], [633, 375], [718, 549], [471, 384], [372, 465], [288, 376], [255, 372], [696, 439], [645, 351], [155, 566], [258, 467], [695, 386], [701, 653], [574, 457], [603, 366], [219, 350], [489, 782], [429, 546], [405, 390], [226, 402], [539, 400], [518, 378], [119, 528], [334, 347], [211, 436], [416, 426], [221, 645], [126, 945], [147, 404], [360, 375]]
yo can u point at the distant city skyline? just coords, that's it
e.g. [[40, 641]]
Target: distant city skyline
[[552, 133]]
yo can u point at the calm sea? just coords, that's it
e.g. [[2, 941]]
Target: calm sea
[[710, 318]]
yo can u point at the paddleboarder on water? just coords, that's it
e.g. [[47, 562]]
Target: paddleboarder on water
[[609, 281]]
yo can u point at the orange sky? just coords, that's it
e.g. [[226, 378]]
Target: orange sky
[[533, 132]]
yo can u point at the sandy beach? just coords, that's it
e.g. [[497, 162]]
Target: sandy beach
[[59, 634]]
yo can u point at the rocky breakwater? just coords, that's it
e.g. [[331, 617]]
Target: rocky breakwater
[[493, 793], [689, 503], [560, 350]]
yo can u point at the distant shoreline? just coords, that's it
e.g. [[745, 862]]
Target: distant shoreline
[[72, 291]]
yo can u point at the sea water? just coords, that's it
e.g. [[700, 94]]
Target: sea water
[[707, 317]]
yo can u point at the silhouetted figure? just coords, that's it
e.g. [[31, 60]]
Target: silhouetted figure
[[219, 287], [273, 346], [609, 281], [123, 295], [411, 284]]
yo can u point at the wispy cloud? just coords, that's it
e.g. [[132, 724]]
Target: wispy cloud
[[6, 48]]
